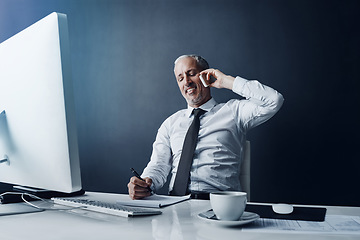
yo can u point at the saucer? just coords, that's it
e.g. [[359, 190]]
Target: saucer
[[247, 217]]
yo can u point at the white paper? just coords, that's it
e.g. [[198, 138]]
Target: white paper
[[154, 201], [333, 224]]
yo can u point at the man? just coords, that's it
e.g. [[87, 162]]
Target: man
[[217, 157]]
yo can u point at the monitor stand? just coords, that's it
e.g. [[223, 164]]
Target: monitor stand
[[47, 194]]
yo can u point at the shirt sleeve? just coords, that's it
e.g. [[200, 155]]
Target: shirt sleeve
[[160, 162], [260, 104]]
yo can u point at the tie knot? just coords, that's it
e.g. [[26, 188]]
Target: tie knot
[[198, 112]]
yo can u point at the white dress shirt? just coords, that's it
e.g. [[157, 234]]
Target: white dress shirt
[[218, 153]]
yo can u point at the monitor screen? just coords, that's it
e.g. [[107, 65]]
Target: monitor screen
[[38, 138]]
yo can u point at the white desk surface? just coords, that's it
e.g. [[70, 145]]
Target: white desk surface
[[178, 221]]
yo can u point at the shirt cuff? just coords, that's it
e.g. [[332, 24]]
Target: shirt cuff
[[239, 84]]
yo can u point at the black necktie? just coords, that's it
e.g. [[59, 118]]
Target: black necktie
[[186, 159]]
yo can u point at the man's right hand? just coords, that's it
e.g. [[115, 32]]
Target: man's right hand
[[139, 189], [222, 80]]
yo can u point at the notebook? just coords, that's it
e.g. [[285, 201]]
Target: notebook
[[154, 201]]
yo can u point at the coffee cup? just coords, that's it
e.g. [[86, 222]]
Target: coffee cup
[[228, 205]]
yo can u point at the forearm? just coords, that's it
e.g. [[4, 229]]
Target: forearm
[[252, 90], [258, 93], [160, 162]]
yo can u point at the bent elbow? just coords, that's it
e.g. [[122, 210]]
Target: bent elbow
[[279, 100]]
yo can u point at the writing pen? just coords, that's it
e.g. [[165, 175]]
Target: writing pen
[[138, 176]]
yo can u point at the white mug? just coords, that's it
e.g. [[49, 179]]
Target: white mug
[[228, 205]]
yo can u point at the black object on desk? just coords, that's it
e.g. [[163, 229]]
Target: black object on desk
[[300, 213], [15, 198]]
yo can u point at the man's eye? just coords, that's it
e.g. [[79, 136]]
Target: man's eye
[[180, 79]]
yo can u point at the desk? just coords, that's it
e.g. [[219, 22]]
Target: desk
[[178, 221]]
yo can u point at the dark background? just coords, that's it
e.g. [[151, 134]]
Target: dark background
[[122, 60]]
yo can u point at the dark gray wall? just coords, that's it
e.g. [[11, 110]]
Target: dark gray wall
[[123, 53]]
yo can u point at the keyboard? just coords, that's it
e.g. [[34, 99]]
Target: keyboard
[[104, 207]]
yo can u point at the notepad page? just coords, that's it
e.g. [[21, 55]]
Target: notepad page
[[154, 201]]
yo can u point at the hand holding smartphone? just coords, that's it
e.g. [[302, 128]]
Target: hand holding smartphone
[[217, 79]]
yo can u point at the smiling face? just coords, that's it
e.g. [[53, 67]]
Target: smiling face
[[187, 75]]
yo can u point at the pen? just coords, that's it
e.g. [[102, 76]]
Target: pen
[[138, 176]]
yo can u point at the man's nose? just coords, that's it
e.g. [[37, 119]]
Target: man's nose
[[187, 80]]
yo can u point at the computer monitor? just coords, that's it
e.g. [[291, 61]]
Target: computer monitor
[[38, 137]]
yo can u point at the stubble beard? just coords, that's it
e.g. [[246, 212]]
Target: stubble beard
[[195, 101]]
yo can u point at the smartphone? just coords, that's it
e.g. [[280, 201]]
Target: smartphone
[[203, 81]]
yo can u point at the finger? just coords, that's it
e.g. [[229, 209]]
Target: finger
[[138, 182], [140, 189], [206, 71], [148, 181], [140, 195], [139, 192], [133, 188], [208, 75]]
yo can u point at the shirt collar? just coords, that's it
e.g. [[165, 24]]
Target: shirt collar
[[206, 106]]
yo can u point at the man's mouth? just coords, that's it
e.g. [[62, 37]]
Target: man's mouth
[[190, 90]]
